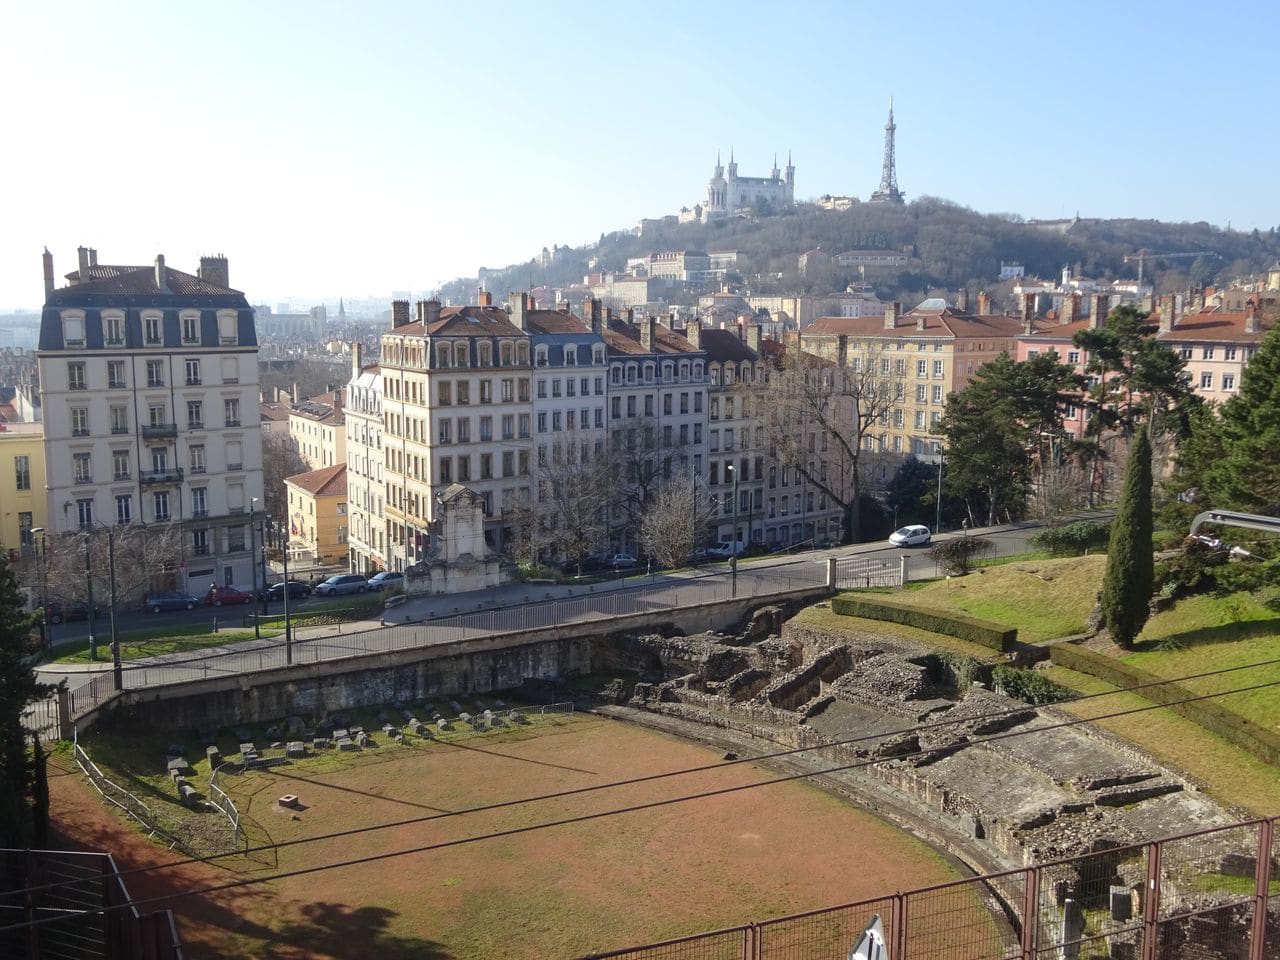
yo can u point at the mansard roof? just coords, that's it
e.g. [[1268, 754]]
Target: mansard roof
[[725, 346], [115, 280], [468, 321]]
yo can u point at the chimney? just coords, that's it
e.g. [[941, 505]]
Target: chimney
[[962, 299], [754, 334], [357, 350], [1098, 303], [630, 316], [693, 332], [920, 324], [215, 270], [162, 275], [1028, 310], [1250, 318], [93, 257], [484, 299], [647, 329], [519, 304], [430, 311], [296, 396], [1168, 318], [984, 303], [83, 254], [48, 272], [399, 313], [892, 313], [842, 351], [596, 315], [1068, 309]]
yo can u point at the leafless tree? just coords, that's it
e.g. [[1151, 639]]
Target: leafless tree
[[567, 516], [146, 557], [676, 521], [828, 422], [280, 459], [640, 464]]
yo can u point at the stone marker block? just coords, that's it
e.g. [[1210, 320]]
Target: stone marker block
[[320, 743], [362, 739], [213, 754], [246, 748], [296, 748], [346, 743], [188, 795], [288, 800]]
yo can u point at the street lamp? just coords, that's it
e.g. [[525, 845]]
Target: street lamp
[[253, 563], [46, 628], [117, 671], [288, 635], [733, 546]]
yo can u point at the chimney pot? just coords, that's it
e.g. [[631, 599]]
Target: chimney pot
[[431, 311], [48, 272], [162, 275], [648, 327], [754, 334], [485, 299], [962, 300], [693, 332], [399, 313], [892, 313], [83, 255]]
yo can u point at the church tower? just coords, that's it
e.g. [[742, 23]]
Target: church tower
[[717, 193], [791, 180]]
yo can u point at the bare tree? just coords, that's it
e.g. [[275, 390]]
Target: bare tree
[[143, 558], [827, 422], [567, 517], [280, 459], [640, 464], [676, 521]]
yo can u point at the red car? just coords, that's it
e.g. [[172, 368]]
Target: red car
[[223, 596]]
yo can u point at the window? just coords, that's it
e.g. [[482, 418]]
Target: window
[[160, 505], [22, 470], [922, 367], [73, 331], [156, 413], [235, 540], [921, 393], [79, 421], [1073, 356], [113, 329], [1228, 381], [464, 393], [235, 459], [555, 421], [524, 426], [464, 430], [615, 408], [84, 512], [648, 405], [193, 373], [231, 410], [464, 469], [196, 458], [119, 419], [508, 427], [445, 431], [937, 394], [555, 387], [1228, 353], [190, 329], [1207, 353], [599, 418], [631, 406], [115, 374], [159, 459], [155, 373], [195, 414], [486, 466], [124, 508], [199, 503], [486, 391], [486, 429], [542, 389], [542, 423], [200, 542], [937, 369], [82, 466], [444, 392], [446, 470], [75, 376], [1186, 353], [508, 390], [919, 421], [151, 328], [119, 464], [1206, 381]]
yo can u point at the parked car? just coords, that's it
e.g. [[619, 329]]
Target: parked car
[[726, 549], [620, 560], [297, 591], [57, 611], [226, 596], [341, 583], [387, 579], [171, 600], [910, 536]]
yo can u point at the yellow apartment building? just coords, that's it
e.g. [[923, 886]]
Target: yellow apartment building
[[318, 514]]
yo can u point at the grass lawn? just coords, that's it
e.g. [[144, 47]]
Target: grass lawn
[[153, 642], [1206, 633], [1229, 774], [824, 618], [1044, 599]]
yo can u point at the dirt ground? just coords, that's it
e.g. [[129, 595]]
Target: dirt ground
[[556, 892]]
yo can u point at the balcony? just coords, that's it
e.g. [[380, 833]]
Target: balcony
[[80, 432], [200, 550], [231, 467], [197, 468], [199, 514], [169, 475], [194, 381], [158, 431], [229, 341], [116, 384], [233, 423], [119, 428], [83, 479], [114, 341], [154, 382], [195, 424], [120, 475], [77, 385]]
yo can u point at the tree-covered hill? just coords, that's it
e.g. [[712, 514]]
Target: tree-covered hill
[[950, 246]]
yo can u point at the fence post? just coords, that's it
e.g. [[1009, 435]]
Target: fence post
[[902, 570], [1151, 903], [831, 573], [1262, 880], [899, 934], [1030, 910], [65, 730]]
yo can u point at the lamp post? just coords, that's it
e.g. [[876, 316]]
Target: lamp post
[[937, 521], [46, 628], [733, 545], [288, 635], [88, 578], [117, 671], [253, 563]]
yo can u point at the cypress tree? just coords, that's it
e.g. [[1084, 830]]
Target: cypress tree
[[1126, 587], [18, 688]]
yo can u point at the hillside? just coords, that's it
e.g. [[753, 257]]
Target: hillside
[[951, 245]]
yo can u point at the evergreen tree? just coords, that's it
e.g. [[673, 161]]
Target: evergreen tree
[[20, 803], [1246, 475], [1126, 587]]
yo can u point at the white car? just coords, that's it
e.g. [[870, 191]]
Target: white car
[[912, 536]]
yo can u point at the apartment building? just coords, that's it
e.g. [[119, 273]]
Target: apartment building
[[1217, 344], [319, 429], [149, 391], [23, 504], [366, 524], [657, 419], [925, 354], [318, 521], [453, 380]]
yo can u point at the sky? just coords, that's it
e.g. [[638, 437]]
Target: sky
[[352, 149]]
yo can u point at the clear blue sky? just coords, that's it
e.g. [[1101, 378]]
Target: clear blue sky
[[355, 148]]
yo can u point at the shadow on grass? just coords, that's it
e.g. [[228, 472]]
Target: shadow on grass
[[1223, 633], [354, 932]]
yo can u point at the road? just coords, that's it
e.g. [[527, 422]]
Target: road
[[518, 606]]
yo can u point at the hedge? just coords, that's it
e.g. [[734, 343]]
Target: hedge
[[984, 632], [1229, 725]]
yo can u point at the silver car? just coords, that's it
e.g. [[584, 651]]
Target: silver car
[[341, 583]]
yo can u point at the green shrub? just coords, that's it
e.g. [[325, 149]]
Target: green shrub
[[984, 632], [1074, 539], [956, 555], [955, 670], [1030, 686], [1230, 726]]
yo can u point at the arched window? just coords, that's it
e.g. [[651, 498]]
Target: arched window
[[668, 371], [684, 370], [715, 374], [444, 355], [616, 375], [597, 355], [697, 370], [631, 373], [648, 373], [506, 350]]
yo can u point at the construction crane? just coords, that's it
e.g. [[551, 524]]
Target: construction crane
[[1142, 256]]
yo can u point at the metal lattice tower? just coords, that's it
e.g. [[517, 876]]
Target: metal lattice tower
[[888, 192]]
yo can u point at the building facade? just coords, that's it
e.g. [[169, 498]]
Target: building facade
[[318, 522], [23, 504], [367, 528], [318, 430], [149, 387], [732, 194]]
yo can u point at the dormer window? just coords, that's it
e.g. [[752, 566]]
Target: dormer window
[[151, 328], [570, 355], [73, 331], [191, 329], [540, 357], [113, 329]]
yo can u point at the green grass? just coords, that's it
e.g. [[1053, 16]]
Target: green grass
[[154, 642], [1044, 599], [824, 618]]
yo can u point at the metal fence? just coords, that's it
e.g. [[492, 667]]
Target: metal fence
[[85, 913], [862, 573], [117, 795], [221, 801], [1209, 895]]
